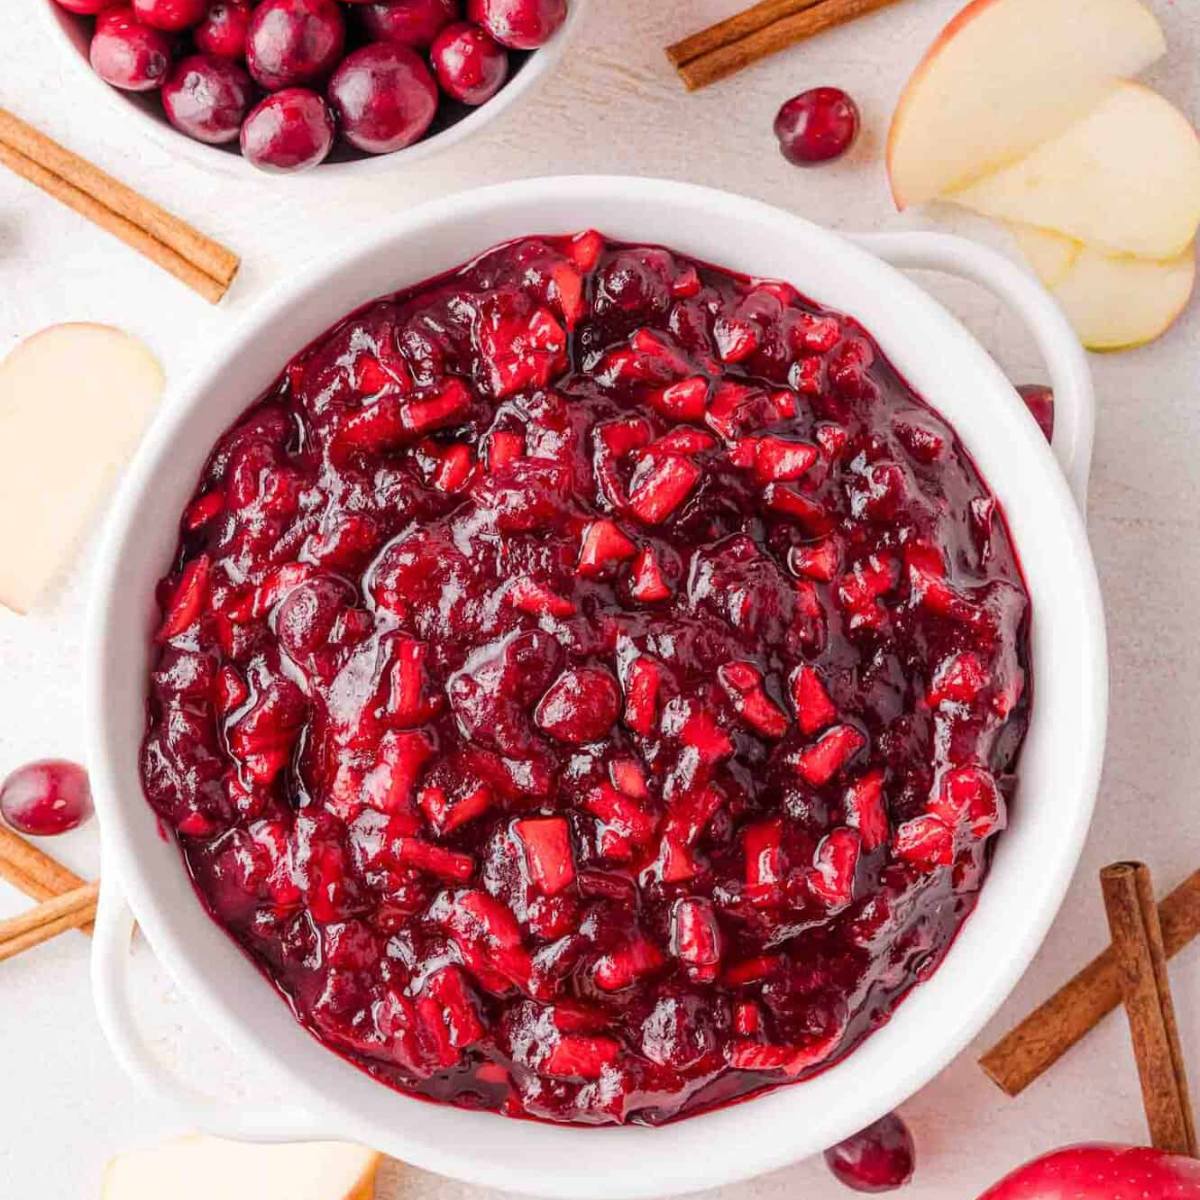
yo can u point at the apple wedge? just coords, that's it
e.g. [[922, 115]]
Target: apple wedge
[[204, 1168], [1114, 302], [1005, 75], [74, 400], [1049, 254], [1124, 179]]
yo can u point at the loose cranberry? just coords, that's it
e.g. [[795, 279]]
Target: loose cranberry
[[207, 97], [879, 1158], [413, 23], [816, 126], [470, 66], [291, 130], [128, 54], [87, 8], [1040, 401], [46, 798], [519, 24], [170, 15], [385, 97], [294, 42], [223, 30]]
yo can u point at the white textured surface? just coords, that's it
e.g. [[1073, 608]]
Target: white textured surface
[[64, 1106]]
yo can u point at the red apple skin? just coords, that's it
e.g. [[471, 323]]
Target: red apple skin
[[1102, 1172]]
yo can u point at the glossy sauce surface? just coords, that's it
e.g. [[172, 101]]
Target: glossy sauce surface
[[589, 685]]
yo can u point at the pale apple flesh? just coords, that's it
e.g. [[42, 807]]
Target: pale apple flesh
[[1112, 302], [1102, 1172], [1124, 179], [74, 400], [204, 1168], [1004, 76], [1049, 254]]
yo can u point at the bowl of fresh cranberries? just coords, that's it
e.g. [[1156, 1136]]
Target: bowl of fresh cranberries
[[598, 650], [288, 85]]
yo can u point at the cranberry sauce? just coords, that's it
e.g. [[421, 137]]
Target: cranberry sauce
[[588, 685]]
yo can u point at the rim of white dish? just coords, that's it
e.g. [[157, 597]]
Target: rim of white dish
[[762, 1133], [68, 30]]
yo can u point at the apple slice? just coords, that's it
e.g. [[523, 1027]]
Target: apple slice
[[74, 400], [1005, 75], [1114, 302], [1125, 179], [204, 1168], [1049, 254]]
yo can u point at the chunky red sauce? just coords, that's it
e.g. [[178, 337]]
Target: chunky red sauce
[[589, 683]]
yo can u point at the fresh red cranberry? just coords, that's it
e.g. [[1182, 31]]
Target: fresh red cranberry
[[223, 30], [128, 54], [1040, 401], [207, 98], [879, 1158], [170, 15], [385, 97], [519, 24], [816, 126], [289, 131], [469, 65], [586, 682], [87, 8], [413, 23], [47, 797], [293, 42]]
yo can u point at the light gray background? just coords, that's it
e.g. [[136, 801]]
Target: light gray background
[[615, 106]]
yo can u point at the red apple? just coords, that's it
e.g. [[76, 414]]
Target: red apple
[[1102, 1172]]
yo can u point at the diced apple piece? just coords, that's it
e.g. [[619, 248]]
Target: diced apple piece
[[1005, 75], [1125, 179], [74, 400], [1117, 303], [1049, 254], [200, 1168]]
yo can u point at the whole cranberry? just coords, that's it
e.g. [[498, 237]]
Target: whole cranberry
[[1039, 399], [294, 42], [519, 24], [876, 1159], [469, 65], [412, 23], [170, 15], [87, 8], [46, 797], [223, 30], [290, 130], [207, 98], [128, 54], [384, 96], [816, 126]]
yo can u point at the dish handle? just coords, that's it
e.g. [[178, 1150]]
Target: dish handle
[[1066, 362], [110, 989]]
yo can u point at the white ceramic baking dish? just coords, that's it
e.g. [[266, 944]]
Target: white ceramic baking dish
[[143, 110], [1059, 769]]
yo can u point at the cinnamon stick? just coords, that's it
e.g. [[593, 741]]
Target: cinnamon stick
[[1142, 963], [47, 920], [204, 265], [1040, 1040], [762, 30], [733, 29], [33, 872]]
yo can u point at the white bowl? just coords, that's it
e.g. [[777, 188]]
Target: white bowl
[[1059, 768], [144, 109]]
